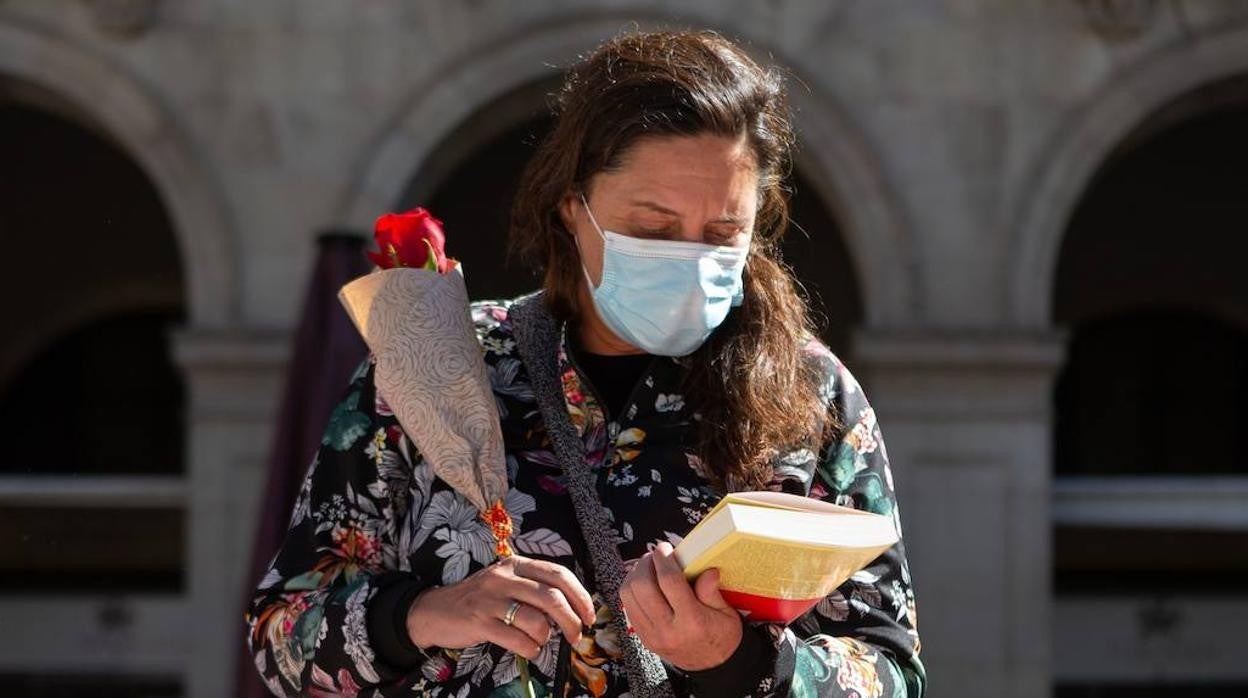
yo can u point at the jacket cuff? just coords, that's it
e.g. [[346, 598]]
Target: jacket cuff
[[386, 620], [753, 660]]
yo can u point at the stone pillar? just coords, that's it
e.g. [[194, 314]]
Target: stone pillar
[[966, 420], [234, 382]]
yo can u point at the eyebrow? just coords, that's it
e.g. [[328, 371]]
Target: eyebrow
[[730, 218]]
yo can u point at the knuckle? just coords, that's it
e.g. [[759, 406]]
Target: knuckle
[[473, 603], [552, 595], [488, 574]]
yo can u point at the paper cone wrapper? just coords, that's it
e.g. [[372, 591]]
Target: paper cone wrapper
[[418, 325]]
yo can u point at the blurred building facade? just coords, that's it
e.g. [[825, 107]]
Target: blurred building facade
[[1024, 222]]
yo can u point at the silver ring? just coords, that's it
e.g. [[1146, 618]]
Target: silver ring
[[510, 616]]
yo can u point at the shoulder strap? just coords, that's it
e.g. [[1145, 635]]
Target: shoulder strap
[[537, 336]]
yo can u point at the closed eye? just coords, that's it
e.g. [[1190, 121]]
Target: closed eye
[[715, 238], [658, 234], [729, 236]]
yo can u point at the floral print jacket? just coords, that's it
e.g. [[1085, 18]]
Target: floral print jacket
[[372, 526]]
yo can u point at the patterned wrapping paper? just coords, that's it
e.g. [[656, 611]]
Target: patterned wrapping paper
[[430, 372]]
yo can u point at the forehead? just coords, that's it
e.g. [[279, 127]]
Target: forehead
[[689, 171]]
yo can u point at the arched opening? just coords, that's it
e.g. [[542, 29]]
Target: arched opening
[[1151, 283], [90, 399], [471, 181], [1150, 449]]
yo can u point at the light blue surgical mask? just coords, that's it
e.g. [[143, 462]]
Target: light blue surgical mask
[[665, 297]]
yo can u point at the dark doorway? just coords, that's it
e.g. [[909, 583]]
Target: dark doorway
[[91, 283], [1151, 286]]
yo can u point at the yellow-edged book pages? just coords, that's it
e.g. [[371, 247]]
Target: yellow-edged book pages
[[778, 554]]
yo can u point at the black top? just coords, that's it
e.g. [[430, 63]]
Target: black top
[[612, 376]]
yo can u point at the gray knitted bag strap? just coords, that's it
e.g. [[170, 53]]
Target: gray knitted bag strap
[[537, 338]]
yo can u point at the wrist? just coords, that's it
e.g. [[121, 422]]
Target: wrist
[[417, 626], [731, 646], [386, 620]]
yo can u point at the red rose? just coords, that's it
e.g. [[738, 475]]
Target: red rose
[[411, 239]]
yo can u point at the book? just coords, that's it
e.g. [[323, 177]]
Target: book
[[779, 554]]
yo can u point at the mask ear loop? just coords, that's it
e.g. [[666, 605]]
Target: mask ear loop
[[593, 220], [577, 241]]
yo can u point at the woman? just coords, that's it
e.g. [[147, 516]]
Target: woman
[[685, 361]]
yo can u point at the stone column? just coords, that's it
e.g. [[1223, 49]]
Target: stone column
[[234, 382], [966, 420]]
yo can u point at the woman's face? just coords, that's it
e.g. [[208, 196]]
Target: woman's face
[[694, 188]]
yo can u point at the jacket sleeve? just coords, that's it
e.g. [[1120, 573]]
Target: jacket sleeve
[[328, 616], [860, 641]]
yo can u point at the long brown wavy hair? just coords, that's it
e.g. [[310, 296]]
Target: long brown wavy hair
[[756, 391]]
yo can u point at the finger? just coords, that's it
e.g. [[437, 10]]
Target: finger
[[706, 587], [645, 588], [533, 622], [549, 600], [633, 612], [560, 577], [671, 579], [511, 638]]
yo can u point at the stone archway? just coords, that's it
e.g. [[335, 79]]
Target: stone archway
[[835, 157], [1149, 285], [1083, 145], [118, 105]]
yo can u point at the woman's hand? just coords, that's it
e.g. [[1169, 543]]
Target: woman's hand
[[690, 626], [472, 611]]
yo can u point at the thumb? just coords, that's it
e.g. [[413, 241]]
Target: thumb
[[706, 587]]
